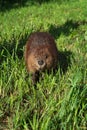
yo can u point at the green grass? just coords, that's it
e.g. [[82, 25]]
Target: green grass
[[60, 100]]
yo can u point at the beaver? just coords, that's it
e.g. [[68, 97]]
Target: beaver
[[40, 54]]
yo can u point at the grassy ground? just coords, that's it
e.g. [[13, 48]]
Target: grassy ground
[[60, 101]]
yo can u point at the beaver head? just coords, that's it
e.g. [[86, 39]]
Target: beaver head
[[40, 59]]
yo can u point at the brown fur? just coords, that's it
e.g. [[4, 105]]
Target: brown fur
[[40, 47]]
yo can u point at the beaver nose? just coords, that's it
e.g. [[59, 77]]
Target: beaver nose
[[40, 62]]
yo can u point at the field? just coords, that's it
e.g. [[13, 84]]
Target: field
[[59, 101]]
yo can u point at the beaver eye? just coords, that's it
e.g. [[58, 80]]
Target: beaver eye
[[46, 56]]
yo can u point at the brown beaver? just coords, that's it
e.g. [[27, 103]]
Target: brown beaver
[[40, 53]]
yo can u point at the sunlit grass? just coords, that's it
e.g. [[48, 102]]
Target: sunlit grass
[[59, 101]]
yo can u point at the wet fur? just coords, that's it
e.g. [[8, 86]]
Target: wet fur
[[40, 46]]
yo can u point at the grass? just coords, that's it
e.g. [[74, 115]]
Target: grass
[[60, 101]]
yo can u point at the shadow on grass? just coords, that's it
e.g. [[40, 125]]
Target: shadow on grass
[[12, 48], [9, 4], [66, 28], [64, 58]]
